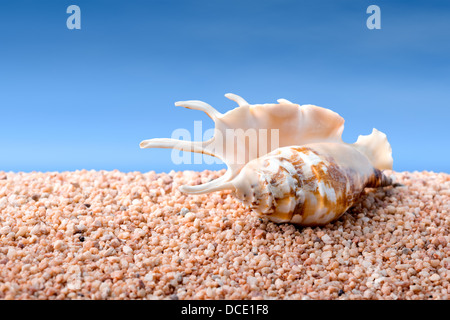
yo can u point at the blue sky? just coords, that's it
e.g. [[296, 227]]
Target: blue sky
[[84, 99]]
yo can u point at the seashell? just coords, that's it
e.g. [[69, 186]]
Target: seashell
[[311, 178]]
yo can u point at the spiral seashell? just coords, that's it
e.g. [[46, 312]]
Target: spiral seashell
[[311, 178]]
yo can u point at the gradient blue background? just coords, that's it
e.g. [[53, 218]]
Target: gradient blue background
[[84, 99]]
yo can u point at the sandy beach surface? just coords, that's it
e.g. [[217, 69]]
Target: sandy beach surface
[[114, 235]]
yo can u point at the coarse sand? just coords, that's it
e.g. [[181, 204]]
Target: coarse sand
[[114, 235]]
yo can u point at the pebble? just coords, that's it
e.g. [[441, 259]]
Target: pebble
[[327, 239], [60, 245], [435, 277], [184, 211], [127, 250]]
